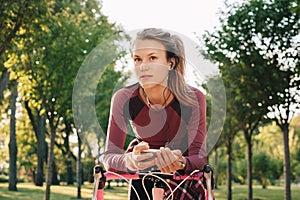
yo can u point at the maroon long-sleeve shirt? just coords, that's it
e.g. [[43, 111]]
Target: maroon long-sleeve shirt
[[176, 126]]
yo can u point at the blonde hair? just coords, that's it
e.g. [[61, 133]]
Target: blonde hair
[[174, 49]]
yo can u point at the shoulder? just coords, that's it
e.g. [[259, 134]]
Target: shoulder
[[199, 94], [126, 92]]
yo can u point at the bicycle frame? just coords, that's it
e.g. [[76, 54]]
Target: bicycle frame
[[100, 177]]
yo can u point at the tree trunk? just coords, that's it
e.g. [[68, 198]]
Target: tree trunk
[[79, 169], [216, 168], [68, 153], [286, 166], [38, 123], [13, 151], [50, 160], [4, 79], [229, 170], [55, 180], [249, 164], [69, 171], [41, 148]]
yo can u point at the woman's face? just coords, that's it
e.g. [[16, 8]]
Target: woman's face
[[150, 63]]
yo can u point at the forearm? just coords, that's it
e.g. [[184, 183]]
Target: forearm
[[115, 161]]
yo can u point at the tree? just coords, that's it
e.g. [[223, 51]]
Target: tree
[[270, 142], [65, 147], [295, 147], [257, 39], [52, 55], [244, 109], [13, 150], [216, 106], [4, 79], [262, 165], [79, 168], [14, 19], [230, 128], [37, 119], [15, 16], [27, 146]]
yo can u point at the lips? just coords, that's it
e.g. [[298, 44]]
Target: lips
[[145, 76]]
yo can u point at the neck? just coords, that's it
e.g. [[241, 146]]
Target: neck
[[156, 97]]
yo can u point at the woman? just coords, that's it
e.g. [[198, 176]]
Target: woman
[[164, 112]]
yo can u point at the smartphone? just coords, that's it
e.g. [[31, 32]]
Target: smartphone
[[153, 151]]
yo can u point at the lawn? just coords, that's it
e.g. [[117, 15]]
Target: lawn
[[27, 191], [271, 193]]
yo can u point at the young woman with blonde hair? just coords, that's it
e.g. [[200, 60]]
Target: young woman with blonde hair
[[164, 112]]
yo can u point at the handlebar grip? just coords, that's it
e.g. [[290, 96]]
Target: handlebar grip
[[97, 169], [102, 178], [207, 168]]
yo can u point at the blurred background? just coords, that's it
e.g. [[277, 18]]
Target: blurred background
[[253, 45]]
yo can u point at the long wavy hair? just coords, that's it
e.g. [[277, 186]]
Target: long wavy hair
[[174, 49]]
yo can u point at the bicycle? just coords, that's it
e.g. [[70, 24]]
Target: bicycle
[[205, 176]]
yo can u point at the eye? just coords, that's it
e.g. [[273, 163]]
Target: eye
[[152, 58], [137, 60]]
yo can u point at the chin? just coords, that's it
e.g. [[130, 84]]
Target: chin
[[147, 85], [151, 85]]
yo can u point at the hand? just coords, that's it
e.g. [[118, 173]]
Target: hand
[[169, 161], [137, 161]]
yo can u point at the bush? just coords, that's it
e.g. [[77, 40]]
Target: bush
[[3, 179]]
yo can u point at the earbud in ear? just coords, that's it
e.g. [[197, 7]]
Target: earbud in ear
[[171, 65]]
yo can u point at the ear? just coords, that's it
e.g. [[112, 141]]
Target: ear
[[172, 63]]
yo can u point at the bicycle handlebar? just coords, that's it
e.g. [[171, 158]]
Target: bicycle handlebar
[[205, 175], [105, 176]]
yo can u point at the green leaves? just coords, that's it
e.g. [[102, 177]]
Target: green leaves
[[258, 53], [257, 49]]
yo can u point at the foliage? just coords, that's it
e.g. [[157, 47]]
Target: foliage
[[295, 148], [257, 51], [257, 42], [43, 45], [27, 146], [15, 16], [262, 168]]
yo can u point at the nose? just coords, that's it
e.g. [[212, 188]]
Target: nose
[[144, 66]]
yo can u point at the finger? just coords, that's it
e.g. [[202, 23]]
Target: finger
[[177, 152], [166, 159], [168, 156], [175, 159], [143, 161], [180, 159], [140, 147], [159, 161], [166, 162], [170, 160]]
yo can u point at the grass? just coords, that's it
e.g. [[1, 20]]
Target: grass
[[27, 191], [239, 192]]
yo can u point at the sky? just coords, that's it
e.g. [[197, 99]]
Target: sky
[[186, 17]]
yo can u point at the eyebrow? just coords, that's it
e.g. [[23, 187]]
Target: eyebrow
[[150, 54]]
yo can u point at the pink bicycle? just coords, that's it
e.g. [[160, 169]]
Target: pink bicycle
[[158, 192]]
